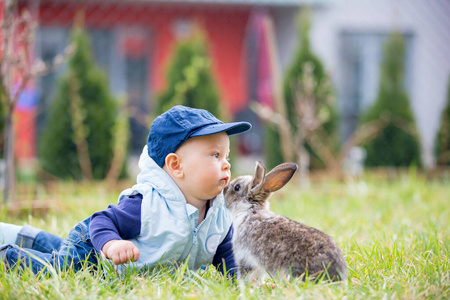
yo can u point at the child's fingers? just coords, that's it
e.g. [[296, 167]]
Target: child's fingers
[[130, 254], [136, 253], [124, 256], [123, 252], [116, 259]]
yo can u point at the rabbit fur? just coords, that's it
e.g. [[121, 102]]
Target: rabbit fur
[[265, 243]]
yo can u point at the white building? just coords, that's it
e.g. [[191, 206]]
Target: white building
[[348, 36]]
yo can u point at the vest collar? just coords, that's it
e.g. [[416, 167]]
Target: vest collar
[[152, 175]]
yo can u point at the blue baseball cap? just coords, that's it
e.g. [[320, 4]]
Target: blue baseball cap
[[174, 127]]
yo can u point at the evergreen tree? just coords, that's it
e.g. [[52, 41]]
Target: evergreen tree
[[88, 83], [322, 92], [396, 144], [442, 146], [189, 78]]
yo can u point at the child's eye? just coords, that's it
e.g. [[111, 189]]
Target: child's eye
[[216, 155]]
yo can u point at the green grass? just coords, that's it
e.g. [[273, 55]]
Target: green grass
[[394, 233]]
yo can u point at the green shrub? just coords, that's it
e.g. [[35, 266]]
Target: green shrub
[[322, 91], [397, 143], [189, 78], [57, 148], [442, 145]]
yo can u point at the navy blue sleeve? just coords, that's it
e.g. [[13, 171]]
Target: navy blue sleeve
[[117, 222], [224, 257]]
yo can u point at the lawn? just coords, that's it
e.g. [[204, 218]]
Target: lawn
[[394, 231]]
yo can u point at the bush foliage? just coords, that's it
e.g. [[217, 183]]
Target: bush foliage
[[57, 149], [397, 144], [322, 91], [442, 146], [189, 78]]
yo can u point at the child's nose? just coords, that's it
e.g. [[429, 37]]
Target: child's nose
[[226, 165]]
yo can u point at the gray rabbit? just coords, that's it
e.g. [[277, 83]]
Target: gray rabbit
[[266, 243]]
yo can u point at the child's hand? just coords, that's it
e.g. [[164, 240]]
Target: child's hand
[[121, 251]]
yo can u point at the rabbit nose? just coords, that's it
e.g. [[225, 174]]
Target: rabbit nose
[[225, 189]]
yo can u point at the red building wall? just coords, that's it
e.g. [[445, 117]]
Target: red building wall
[[224, 25]]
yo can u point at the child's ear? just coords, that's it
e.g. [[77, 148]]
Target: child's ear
[[173, 165]]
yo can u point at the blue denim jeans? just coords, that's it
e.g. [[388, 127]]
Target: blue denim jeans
[[36, 248]]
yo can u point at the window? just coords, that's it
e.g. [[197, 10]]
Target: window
[[359, 73]]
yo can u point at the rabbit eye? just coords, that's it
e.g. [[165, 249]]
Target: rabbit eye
[[237, 187]]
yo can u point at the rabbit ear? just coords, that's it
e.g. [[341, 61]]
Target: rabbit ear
[[258, 178], [279, 176]]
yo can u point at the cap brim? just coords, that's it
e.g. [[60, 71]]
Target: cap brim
[[229, 128]]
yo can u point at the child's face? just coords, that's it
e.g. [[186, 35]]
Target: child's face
[[204, 161]]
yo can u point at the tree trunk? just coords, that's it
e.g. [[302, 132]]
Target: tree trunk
[[287, 148], [79, 129]]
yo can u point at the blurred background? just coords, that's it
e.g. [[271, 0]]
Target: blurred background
[[336, 85]]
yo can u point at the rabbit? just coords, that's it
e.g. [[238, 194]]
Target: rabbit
[[265, 243]]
